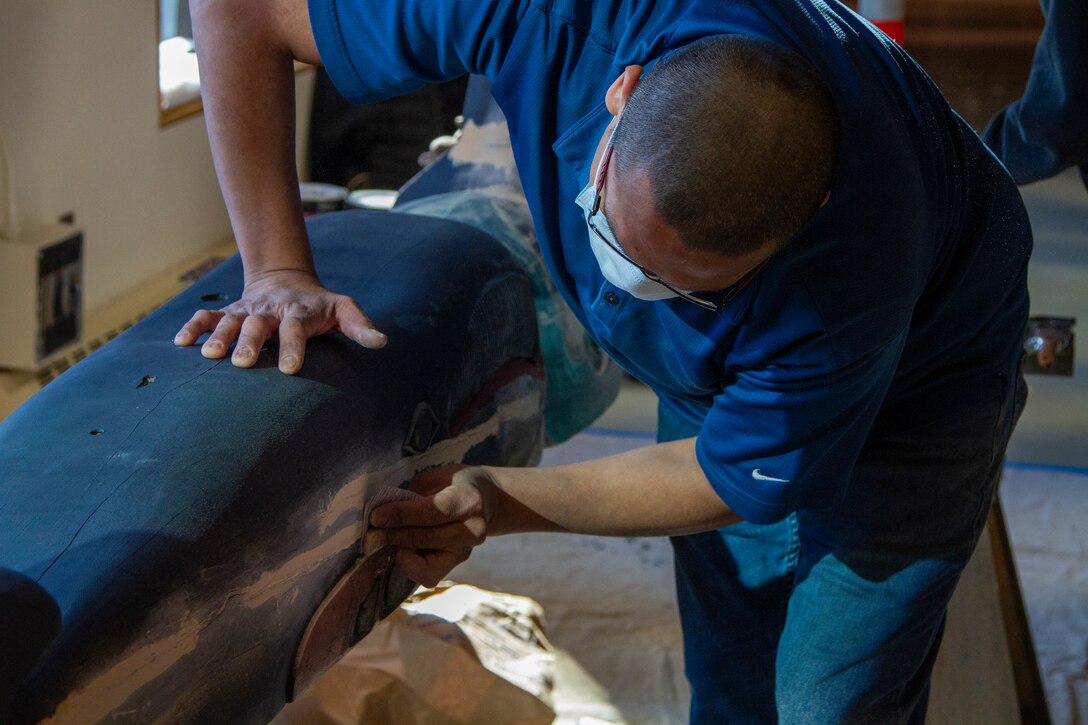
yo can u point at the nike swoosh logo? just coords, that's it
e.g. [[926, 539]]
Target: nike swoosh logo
[[760, 477]]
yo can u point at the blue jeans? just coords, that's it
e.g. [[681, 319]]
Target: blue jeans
[[835, 616]]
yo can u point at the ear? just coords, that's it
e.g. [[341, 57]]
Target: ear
[[620, 90]]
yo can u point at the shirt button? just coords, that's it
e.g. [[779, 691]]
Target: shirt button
[[611, 298]]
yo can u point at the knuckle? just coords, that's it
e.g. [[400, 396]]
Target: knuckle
[[372, 542], [343, 301], [477, 527], [302, 310]]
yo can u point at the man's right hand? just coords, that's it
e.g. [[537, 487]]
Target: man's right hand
[[288, 304], [247, 86]]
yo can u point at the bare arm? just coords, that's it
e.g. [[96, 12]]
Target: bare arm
[[658, 490], [653, 491], [246, 51]]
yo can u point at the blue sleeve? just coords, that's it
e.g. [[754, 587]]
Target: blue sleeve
[[785, 436], [1046, 130], [379, 49]]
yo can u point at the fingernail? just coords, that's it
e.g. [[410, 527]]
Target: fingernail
[[180, 338], [243, 352], [289, 363], [213, 346]]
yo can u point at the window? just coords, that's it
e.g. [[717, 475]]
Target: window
[[179, 78]]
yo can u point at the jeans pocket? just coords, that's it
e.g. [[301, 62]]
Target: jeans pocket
[[1013, 398]]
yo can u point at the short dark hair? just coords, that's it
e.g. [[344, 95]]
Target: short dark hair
[[738, 137]]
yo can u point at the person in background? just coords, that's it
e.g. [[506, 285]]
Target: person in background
[[1045, 131], [766, 212]]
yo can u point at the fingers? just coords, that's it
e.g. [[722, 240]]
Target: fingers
[[457, 502], [356, 325], [434, 534], [420, 512], [428, 567], [425, 555], [203, 321], [224, 335], [457, 536], [255, 330], [432, 480], [250, 331], [460, 501], [288, 306], [292, 345]]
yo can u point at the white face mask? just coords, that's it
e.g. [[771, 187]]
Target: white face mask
[[615, 268]]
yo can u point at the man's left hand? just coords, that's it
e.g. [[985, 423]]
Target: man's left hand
[[435, 533]]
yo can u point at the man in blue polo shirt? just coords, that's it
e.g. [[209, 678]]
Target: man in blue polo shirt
[[766, 212]]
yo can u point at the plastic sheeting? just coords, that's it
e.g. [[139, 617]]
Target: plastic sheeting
[[609, 606], [1046, 510]]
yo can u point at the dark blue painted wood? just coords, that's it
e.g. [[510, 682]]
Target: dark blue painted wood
[[29, 620], [187, 517]]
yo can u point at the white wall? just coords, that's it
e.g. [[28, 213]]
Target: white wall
[[79, 107]]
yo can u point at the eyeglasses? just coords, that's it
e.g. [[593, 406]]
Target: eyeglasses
[[725, 297]]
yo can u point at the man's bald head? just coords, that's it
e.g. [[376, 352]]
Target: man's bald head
[[738, 139]]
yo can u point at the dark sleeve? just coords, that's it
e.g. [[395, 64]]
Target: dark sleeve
[[1046, 130]]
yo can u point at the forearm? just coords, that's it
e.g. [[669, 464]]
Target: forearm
[[246, 52], [658, 490]]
